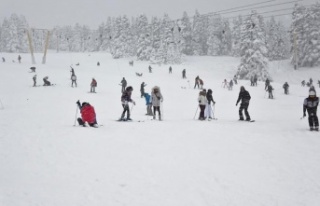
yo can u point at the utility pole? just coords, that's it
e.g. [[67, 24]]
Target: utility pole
[[295, 50]]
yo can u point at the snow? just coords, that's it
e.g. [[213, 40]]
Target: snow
[[180, 161]]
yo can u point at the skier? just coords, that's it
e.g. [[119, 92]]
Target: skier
[[150, 69], [46, 81], [303, 83], [34, 78], [73, 80], [142, 88], [170, 70], [93, 85], [310, 81], [201, 83], [123, 84], [286, 88], [202, 104], [72, 71], [184, 74], [148, 103], [156, 99], [88, 115], [310, 104], [196, 82], [208, 111], [245, 97], [19, 59], [225, 83], [269, 89], [230, 85], [267, 84], [125, 99]]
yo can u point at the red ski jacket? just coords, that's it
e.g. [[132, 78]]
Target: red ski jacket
[[88, 114]]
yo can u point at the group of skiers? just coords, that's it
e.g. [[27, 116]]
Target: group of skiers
[[205, 100]]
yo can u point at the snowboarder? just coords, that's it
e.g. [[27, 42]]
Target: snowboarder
[[93, 85], [88, 115], [46, 81], [123, 84], [170, 70], [286, 88], [19, 59], [202, 104], [125, 99], [148, 103], [267, 84], [34, 78], [142, 88], [208, 111], [310, 105], [270, 89], [303, 83], [184, 74], [196, 82], [245, 97], [150, 69], [73, 80], [156, 99]]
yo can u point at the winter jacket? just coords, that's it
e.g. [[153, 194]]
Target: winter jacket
[[88, 114], [310, 104], [202, 98], [148, 98], [126, 97], [94, 83], [244, 96], [209, 97], [124, 82], [156, 96]]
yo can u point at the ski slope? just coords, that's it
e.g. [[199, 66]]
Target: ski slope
[[180, 161]]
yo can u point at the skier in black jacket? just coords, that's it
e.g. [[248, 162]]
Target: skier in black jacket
[[310, 105], [245, 97]]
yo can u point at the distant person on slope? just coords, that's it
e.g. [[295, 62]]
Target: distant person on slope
[[310, 105], [34, 78], [46, 81], [73, 80], [88, 115], [148, 103], [123, 84], [270, 89], [142, 86], [286, 88], [196, 82], [93, 85], [19, 59], [208, 110], [245, 97], [202, 104], [184, 74]]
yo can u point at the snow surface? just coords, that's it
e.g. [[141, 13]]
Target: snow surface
[[180, 161]]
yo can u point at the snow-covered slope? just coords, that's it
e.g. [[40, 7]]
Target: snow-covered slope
[[180, 161]]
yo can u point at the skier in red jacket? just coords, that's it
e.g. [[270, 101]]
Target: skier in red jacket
[[88, 115]]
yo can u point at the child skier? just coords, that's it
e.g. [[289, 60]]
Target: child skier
[[310, 105], [148, 103], [73, 80], [156, 99], [88, 115], [125, 99]]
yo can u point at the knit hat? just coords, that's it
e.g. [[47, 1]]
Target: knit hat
[[312, 93]]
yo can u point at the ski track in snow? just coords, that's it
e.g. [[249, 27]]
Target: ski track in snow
[[45, 160]]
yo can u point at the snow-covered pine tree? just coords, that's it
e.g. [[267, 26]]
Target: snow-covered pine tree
[[199, 34], [236, 36], [277, 40], [144, 38], [253, 49], [10, 36], [298, 35], [186, 35], [215, 29]]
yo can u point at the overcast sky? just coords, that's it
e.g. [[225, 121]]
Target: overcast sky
[[49, 13]]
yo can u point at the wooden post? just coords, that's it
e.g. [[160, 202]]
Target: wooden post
[[31, 47], [46, 48], [295, 50]]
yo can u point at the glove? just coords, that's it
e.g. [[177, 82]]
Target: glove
[[78, 102], [133, 102], [236, 104]]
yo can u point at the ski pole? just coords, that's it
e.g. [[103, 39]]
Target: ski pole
[[75, 119], [196, 113]]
